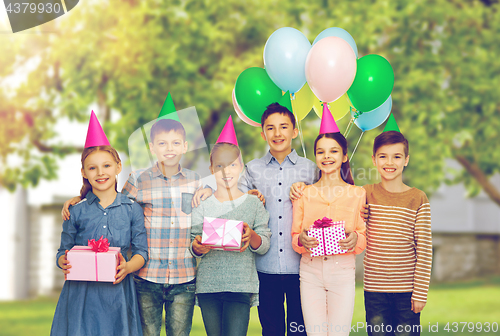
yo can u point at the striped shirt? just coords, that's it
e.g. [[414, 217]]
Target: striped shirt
[[399, 244], [167, 217]]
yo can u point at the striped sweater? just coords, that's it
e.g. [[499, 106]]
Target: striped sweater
[[399, 244]]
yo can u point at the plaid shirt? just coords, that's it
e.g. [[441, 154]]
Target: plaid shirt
[[167, 217]]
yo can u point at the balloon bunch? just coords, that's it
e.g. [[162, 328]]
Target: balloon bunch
[[326, 72]]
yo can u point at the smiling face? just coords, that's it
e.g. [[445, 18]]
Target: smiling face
[[168, 147], [226, 165], [390, 161], [278, 131], [329, 155], [100, 169]]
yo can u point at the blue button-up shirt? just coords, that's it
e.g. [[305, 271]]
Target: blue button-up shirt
[[274, 180]]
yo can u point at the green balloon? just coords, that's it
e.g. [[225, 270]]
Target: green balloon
[[373, 83], [254, 91]]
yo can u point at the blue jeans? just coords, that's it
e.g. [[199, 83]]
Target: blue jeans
[[391, 314], [179, 305], [226, 313]]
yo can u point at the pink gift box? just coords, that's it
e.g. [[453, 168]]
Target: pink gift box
[[222, 234], [87, 265], [328, 239]]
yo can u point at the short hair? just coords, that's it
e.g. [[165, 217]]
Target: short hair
[[390, 138], [276, 108], [166, 125]]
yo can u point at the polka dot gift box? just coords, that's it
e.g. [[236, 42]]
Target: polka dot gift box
[[328, 234]]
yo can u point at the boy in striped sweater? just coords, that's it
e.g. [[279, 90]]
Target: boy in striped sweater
[[397, 264]]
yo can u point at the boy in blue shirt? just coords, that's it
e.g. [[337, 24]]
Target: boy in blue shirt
[[272, 175]]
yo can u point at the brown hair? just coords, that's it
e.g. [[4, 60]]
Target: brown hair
[[86, 152], [224, 146], [390, 138], [345, 169], [276, 108], [166, 125]]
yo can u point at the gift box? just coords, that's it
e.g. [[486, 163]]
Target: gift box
[[328, 234], [95, 262], [222, 234]]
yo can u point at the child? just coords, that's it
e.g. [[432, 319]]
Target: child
[[398, 258], [101, 308], [165, 192], [273, 175], [227, 283], [327, 282]]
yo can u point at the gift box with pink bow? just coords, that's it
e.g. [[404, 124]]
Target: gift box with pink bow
[[222, 234], [95, 262], [328, 233]]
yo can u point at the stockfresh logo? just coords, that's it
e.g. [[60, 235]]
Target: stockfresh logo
[[28, 14]]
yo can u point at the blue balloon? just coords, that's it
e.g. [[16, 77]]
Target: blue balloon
[[374, 118], [338, 32], [285, 56]]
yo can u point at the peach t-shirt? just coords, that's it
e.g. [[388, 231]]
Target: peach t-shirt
[[345, 206]]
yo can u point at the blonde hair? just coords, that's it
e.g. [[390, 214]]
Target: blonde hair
[[224, 146], [86, 152]]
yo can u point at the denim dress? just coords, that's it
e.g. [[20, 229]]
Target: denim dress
[[101, 308]]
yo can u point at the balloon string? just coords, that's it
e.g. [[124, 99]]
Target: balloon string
[[348, 129], [354, 151], [300, 135]]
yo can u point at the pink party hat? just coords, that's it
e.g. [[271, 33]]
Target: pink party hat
[[95, 134], [228, 134], [328, 124]]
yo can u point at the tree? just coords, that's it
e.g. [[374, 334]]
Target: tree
[[126, 55]]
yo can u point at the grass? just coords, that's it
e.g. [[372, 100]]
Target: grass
[[475, 301]]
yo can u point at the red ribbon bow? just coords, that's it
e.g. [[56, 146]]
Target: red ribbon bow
[[322, 223], [101, 245]]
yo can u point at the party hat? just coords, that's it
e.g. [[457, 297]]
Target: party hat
[[391, 124], [95, 134], [228, 134], [328, 124], [286, 102], [168, 110]]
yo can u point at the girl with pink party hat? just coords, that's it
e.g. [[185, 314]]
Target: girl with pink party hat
[[92, 307], [327, 281], [226, 281]]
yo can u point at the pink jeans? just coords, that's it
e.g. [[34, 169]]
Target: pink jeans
[[327, 293]]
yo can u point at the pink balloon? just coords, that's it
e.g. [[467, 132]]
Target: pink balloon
[[330, 68], [241, 114]]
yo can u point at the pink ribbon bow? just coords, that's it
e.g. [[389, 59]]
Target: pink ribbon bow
[[322, 223], [101, 245]]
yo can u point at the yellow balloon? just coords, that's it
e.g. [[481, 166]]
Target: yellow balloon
[[303, 102], [338, 108]]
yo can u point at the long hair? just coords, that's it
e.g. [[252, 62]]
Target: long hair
[[86, 152], [345, 169], [233, 150]]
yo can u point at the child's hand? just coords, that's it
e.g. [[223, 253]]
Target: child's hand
[[350, 242], [67, 204], [365, 212], [64, 263], [306, 241], [417, 306], [257, 193], [198, 248], [297, 190], [201, 195], [123, 270], [245, 237]]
